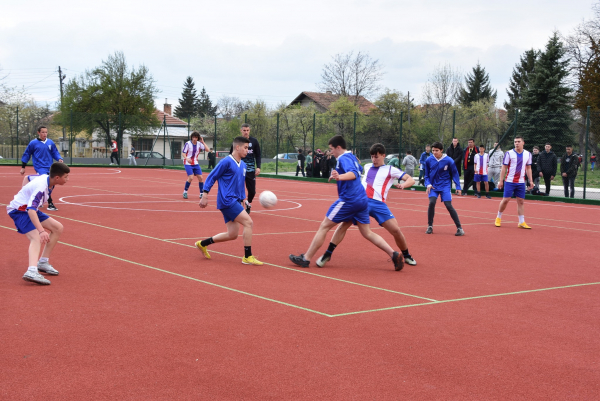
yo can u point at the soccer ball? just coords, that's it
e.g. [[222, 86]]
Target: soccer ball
[[267, 199]]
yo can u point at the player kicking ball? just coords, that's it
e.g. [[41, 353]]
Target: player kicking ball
[[440, 171], [24, 210], [517, 162], [377, 181], [230, 173], [352, 206]]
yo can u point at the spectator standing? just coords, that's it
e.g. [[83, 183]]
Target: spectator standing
[[309, 166], [569, 164], [422, 159], [469, 165], [211, 158], [593, 161], [547, 165], [114, 155], [300, 166], [409, 163], [535, 171], [394, 162], [318, 159], [495, 166], [455, 152], [132, 156], [481, 172]]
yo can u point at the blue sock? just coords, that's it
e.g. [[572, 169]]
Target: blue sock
[[187, 186], [201, 185]]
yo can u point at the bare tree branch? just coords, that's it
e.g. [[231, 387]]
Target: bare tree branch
[[350, 75]]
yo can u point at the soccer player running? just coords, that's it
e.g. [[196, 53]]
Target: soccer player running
[[517, 162], [191, 151], [230, 173], [24, 210], [352, 206], [440, 171], [43, 150], [377, 180], [481, 172], [252, 160]]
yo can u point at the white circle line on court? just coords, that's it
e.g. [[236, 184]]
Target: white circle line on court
[[62, 200]]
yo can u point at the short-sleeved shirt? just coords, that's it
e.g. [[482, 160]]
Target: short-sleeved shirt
[[350, 191], [377, 181], [481, 163], [31, 196], [516, 164], [231, 176], [191, 151]]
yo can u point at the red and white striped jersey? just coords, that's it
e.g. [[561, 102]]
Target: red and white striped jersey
[[481, 163], [517, 165], [191, 151], [378, 180]]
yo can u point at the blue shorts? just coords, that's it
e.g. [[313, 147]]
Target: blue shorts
[[23, 222], [445, 194], [341, 211], [232, 212], [193, 170], [43, 170], [379, 211], [516, 188], [480, 178]]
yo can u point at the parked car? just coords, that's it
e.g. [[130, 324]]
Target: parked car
[[148, 155], [287, 156], [222, 153], [390, 157]]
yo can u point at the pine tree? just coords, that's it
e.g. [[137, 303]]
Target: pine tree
[[545, 106], [204, 107], [477, 87], [519, 81], [188, 102]]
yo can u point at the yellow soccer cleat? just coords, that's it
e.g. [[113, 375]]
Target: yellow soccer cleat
[[498, 222], [251, 260], [524, 225], [203, 249]]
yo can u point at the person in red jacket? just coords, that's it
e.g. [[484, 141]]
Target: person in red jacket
[[469, 165]]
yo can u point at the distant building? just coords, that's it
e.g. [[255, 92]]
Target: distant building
[[323, 101]]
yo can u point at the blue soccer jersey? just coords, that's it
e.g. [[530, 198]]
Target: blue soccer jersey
[[231, 176], [440, 173], [43, 153], [350, 191]]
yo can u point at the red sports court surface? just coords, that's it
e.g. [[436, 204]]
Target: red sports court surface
[[138, 313]]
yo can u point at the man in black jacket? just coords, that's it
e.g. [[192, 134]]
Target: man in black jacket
[[547, 163], [300, 166], [252, 161], [569, 164], [455, 152], [469, 165], [535, 170]]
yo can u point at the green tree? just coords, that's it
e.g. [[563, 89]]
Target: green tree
[[545, 105], [188, 104], [111, 98], [477, 87], [519, 81], [204, 106], [341, 116], [479, 121]]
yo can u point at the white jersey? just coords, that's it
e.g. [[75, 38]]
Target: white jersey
[[378, 180], [191, 151], [481, 163], [517, 165], [31, 196]]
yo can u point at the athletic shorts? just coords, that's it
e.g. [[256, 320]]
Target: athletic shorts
[[354, 212], [379, 211], [193, 170], [232, 212], [480, 178], [445, 194], [23, 222], [516, 188], [43, 170]]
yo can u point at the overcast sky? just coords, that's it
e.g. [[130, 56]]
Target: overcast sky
[[273, 50]]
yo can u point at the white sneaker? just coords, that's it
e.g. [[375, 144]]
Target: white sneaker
[[47, 268], [35, 277], [111, 164]]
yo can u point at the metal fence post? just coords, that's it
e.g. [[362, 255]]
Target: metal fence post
[[400, 142], [454, 124], [164, 140], [71, 137], [354, 132], [313, 147], [516, 122], [17, 131], [245, 118], [215, 141], [277, 153], [188, 138], [585, 157]]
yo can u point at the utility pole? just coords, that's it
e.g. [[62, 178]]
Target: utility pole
[[61, 77]]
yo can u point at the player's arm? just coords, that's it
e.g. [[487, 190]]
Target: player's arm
[[214, 175], [25, 159], [408, 181], [456, 177], [257, 157], [502, 176], [56, 154], [349, 176], [528, 172]]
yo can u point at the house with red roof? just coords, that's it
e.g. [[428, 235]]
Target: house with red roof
[[323, 101]]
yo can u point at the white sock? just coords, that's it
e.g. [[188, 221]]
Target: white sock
[[32, 269], [499, 215], [521, 219], [44, 260]]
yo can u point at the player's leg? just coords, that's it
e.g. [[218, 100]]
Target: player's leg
[[304, 259], [338, 236], [200, 182], [487, 187], [189, 171], [393, 228], [431, 211], [251, 187], [32, 274], [375, 239], [455, 219], [230, 214], [478, 188], [520, 193], [56, 229], [244, 220]]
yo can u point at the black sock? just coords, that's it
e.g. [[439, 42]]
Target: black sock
[[405, 253], [330, 249], [247, 251], [207, 242]]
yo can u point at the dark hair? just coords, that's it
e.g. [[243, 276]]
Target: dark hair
[[195, 134], [482, 146], [428, 145], [59, 169], [519, 137], [536, 147], [548, 143], [300, 151], [569, 146], [239, 140], [408, 152], [377, 148], [437, 145], [40, 128], [336, 141], [471, 139], [310, 151], [245, 125]]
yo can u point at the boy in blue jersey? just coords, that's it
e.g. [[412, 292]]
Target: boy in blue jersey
[[440, 171], [43, 150], [352, 206], [231, 174]]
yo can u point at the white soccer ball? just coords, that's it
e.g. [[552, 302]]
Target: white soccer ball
[[267, 199]]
